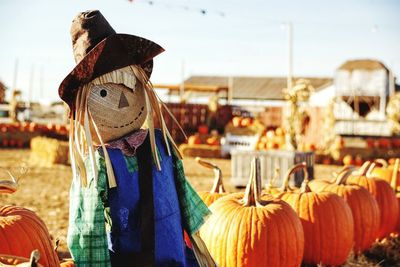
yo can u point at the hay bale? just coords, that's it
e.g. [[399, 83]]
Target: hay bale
[[204, 151], [48, 151]]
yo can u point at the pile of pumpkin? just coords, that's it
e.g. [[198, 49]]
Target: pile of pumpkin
[[320, 223], [23, 233], [275, 139], [204, 137], [383, 143], [18, 134]]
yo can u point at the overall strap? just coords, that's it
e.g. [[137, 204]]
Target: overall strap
[[147, 227]]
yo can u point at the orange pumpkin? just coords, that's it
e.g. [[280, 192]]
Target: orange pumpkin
[[218, 189], [385, 172], [348, 160], [194, 140], [245, 122], [236, 121], [279, 132], [68, 263], [253, 230], [203, 129], [213, 141], [22, 231], [327, 221], [382, 193], [363, 206]]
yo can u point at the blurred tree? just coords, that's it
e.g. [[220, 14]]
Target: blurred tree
[[296, 117], [2, 91]]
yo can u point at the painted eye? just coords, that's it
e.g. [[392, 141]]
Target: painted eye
[[103, 93]]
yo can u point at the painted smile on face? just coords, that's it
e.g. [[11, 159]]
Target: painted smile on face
[[127, 124]]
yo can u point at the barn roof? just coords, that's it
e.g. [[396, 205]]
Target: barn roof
[[365, 64], [259, 88]]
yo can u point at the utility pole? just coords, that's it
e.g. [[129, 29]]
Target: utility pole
[[182, 86], [14, 85], [290, 55], [230, 90]]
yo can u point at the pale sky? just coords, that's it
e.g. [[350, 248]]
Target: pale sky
[[248, 40]]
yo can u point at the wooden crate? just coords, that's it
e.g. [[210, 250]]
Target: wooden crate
[[270, 160], [238, 142]]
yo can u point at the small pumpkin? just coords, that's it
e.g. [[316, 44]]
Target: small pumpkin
[[217, 189], [194, 140], [382, 193], [251, 229], [363, 206], [326, 218]]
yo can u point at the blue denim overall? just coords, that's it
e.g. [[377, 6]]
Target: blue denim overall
[[124, 237]]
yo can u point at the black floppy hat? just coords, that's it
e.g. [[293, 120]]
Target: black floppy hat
[[98, 49]]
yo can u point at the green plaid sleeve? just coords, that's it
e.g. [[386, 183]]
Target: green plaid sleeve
[[193, 209], [87, 239]]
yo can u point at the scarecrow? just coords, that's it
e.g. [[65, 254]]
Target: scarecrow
[[130, 203]]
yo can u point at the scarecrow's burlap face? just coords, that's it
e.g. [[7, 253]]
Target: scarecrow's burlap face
[[116, 109]]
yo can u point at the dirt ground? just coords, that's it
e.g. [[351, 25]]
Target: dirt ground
[[45, 189]]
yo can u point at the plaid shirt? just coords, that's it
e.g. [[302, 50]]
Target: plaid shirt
[[89, 214]]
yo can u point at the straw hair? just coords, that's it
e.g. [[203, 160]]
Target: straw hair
[[81, 140]]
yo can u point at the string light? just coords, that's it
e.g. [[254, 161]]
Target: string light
[[202, 11]]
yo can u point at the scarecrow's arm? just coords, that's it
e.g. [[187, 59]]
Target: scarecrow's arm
[[87, 239], [193, 212]]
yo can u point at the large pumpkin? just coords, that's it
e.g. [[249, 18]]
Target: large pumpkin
[[253, 230], [22, 231], [327, 221], [218, 189], [363, 206], [382, 193]]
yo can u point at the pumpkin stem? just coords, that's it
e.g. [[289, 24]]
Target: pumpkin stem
[[344, 169], [362, 171], [218, 185], [370, 169], [273, 178], [295, 168], [253, 189], [35, 256], [56, 245], [10, 186], [382, 162], [342, 176], [395, 174]]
